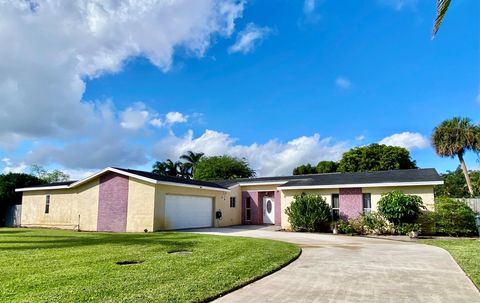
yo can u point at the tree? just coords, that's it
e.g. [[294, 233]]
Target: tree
[[168, 168], [454, 137], [48, 176], [222, 168], [400, 208], [442, 7], [376, 157], [455, 186], [324, 167], [454, 218], [191, 160], [305, 169], [8, 196]]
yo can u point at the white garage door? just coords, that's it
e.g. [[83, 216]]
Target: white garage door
[[188, 212]]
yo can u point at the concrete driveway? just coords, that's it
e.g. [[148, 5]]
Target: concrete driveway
[[354, 269]]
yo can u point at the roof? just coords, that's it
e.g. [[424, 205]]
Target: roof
[[425, 176], [138, 174]]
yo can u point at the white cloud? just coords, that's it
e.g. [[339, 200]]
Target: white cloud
[[310, 11], [360, 138], [53, 47], [343, 83], [249, 38], [399, 5], [134, 117], [268, 159], [175, 117], [157, 122], [406, 139], [309, 6], [9, 167]]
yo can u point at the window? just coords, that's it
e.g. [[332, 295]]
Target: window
[[248, 209], [232, 202], [335, 207], [47, 204], [367, 203]]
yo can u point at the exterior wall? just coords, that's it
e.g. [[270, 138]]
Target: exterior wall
[[220, 202], [278, 208], [232, 216], [62, 212], [141, 203], [113, 203], [425, 192], [256, 214], [351, 204], [87, 205]]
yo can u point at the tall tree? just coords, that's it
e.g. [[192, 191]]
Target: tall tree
[[305, 169], [48, 176], [327, 167], [375, 157], [168, 168], [191, 159], [455, 186], [222, 168], [442, 7], [454, 137]]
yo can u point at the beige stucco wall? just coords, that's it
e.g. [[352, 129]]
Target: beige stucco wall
[[260, 187], [141, 203], [221, 201], [425, 192], [62, 213], [87, 205]]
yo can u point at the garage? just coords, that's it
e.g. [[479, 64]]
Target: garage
[[188, 211]]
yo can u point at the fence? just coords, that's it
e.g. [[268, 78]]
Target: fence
[[474, 203], [14, 213]]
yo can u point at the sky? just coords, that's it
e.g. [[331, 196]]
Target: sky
[[96, 83]]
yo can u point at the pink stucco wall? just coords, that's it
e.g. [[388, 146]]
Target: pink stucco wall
[[112, 203], [257, 206], [351, 204], [278, 208]]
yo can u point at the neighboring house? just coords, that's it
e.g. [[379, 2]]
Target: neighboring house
[[117, 199]]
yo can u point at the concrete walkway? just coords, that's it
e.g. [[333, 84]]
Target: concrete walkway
[[355, 269]]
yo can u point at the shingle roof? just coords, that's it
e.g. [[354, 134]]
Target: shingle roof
[[390, 176], [170, 179]]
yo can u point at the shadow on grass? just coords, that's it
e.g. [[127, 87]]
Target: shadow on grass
[[44, 240]]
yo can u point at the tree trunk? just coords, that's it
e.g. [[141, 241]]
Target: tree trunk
[[465, 172]]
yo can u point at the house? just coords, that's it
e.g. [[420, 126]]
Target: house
[[117, 199]]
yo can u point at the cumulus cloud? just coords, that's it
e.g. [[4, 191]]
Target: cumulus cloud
[[249, 38], [175, 117], [407, 140], [134, 117], [343, 83], [54, 45], [271, 158]]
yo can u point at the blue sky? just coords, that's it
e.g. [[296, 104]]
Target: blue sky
[[278, 82]]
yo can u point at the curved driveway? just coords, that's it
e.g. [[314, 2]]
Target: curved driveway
[[355, 269]]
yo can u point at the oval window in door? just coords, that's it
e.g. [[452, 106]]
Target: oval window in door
[[269, 206]]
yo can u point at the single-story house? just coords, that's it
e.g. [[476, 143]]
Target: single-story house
[[117, 199]]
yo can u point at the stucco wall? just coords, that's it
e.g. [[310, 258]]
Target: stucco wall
[[87, 205], [113, 202], [62, 214], [141, 203], [351, 203]]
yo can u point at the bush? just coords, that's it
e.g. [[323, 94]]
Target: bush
[[399, 208], [376, 224], [309, 213], [344, 227], [454, 218], [406, 228], [426, 222]]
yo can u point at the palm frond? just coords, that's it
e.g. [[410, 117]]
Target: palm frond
[[442, 7]]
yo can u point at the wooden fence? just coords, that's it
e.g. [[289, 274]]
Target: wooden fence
[[474, 203]]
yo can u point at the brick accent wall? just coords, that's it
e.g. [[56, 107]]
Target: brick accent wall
[[351, 204], [112, 203]]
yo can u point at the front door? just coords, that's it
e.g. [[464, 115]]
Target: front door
[[268, 210]]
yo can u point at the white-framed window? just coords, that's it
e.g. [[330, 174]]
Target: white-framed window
[[335, 207], [233, 202], [367, 203], [47, 204]]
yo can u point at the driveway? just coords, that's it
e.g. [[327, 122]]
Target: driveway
[[354, 269]]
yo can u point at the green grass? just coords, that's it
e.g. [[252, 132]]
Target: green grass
[[63, 266], [466, 252]]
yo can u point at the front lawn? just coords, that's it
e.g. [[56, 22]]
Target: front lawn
[[64, 266], [466, 252]]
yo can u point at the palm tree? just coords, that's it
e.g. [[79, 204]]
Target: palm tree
[[442, 7], [453, 138], [191, 159], [167, 168]]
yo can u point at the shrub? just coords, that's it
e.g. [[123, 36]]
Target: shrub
[[454, 218], [399, 208], [309, 213], [375, 223], [344, 227], [426, 222], [406, 228]]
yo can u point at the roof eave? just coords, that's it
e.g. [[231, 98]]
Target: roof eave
[[385, 184]]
